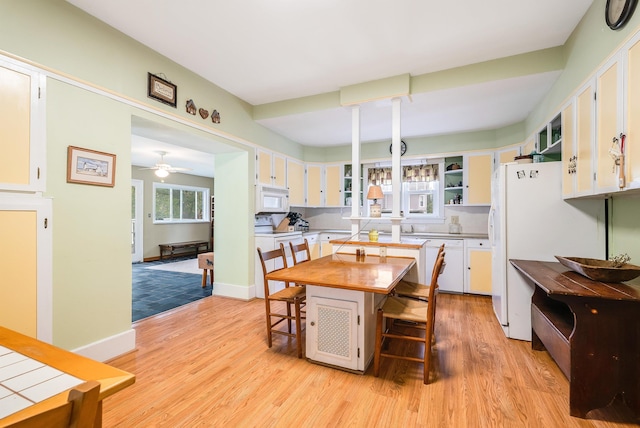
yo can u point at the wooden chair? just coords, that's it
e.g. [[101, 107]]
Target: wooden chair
[[415, 290], [421, 314], [299, 248], [78, 412], [291, 296]]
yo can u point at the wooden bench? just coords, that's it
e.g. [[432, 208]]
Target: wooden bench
[[591, 329], [182, 245]]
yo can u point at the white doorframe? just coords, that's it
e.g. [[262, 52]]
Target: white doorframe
[[136, 224]]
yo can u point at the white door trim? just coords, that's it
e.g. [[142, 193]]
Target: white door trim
[[136, 256]]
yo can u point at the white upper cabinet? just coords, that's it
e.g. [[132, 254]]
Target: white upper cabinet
[[333, 185], [296, 182], [609, 123], [507, 155], [271, 169], [549, 138], [22, 128], [632, 117], [578, 125], [478, 168], [315, 190]]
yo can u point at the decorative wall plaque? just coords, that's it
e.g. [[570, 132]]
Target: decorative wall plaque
[[161, 90]]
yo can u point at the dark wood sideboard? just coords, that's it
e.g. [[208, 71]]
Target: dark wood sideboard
[[592, 331]]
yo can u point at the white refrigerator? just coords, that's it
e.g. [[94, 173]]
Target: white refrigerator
[[529, 220]]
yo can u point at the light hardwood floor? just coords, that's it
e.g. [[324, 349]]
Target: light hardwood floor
[[207, 364]]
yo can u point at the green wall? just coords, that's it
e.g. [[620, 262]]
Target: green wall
[[91, 241], [626, 227]]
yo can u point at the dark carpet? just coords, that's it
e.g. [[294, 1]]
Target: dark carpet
[[156, 291]]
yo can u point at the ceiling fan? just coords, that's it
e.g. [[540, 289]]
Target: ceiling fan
[[163, 169]]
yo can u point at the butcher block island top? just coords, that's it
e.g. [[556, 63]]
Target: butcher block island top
[[373, 274]]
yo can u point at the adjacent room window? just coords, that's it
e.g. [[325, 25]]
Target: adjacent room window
[[180, 204]]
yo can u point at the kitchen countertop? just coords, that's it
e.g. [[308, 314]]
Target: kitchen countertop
[[412, 235], [425, 235], [278, 234]]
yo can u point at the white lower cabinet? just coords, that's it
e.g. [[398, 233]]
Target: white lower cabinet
[[451, 279], [467, 265], [478, 272], [340, 327], [313, 239], [326, 247]]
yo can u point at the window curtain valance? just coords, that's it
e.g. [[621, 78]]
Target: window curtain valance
[[419, 173], [410, 173], [380, 176]]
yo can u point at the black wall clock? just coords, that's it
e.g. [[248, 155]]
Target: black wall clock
[[403, 148], [618, 12]]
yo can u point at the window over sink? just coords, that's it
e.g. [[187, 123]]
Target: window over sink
[[420, 193]]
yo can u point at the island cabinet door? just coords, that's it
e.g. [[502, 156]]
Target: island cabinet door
[[332, 333]]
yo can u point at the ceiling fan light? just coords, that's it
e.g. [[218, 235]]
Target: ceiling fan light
[[162, 173]]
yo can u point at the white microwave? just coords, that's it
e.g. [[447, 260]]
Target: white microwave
[[272, 200]]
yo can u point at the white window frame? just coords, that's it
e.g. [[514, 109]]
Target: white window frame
[[438, 215], [206, 203]]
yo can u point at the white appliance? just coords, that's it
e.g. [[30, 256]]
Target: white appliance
[[529, 220], [272, 200]]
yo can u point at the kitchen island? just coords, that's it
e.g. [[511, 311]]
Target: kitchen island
[[343, 295]]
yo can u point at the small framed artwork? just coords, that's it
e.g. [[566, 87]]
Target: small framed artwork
[[86, 166], [161, 90]]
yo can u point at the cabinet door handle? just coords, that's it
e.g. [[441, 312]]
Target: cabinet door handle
[[313, 323]]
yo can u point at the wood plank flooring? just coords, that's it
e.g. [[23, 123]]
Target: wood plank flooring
[[207, 364]]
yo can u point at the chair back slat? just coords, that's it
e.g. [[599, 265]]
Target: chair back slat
[[298, 248], [276, 255]]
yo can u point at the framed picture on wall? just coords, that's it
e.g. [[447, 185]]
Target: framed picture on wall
[[87, 166], [161, 90]]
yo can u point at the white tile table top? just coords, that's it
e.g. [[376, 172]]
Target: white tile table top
[[25, 381]]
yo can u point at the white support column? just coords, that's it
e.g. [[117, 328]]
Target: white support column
[[355, 173], [396, 169]]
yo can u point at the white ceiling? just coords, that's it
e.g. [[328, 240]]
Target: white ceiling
[[266, 51]]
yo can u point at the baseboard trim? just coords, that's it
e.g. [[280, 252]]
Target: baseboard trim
[[109, 347], [234, 291]]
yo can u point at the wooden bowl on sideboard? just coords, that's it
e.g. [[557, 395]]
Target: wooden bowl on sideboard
[[600, 270]]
